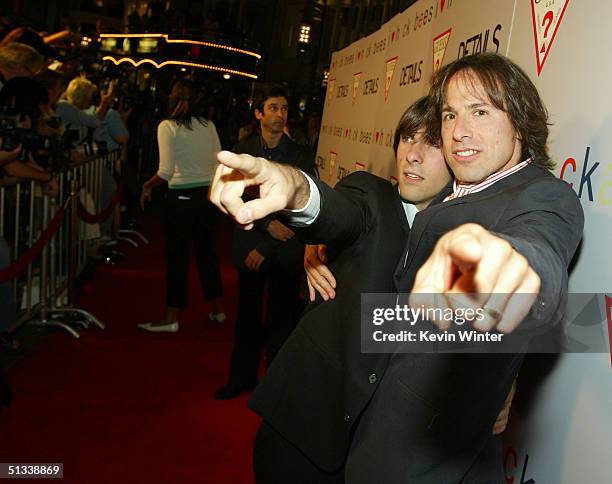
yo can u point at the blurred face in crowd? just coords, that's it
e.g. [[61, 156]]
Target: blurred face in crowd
[[273, 118], [421, 169], [85, 102], [478, 139]]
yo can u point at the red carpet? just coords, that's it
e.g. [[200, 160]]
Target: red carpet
[[122, 405]]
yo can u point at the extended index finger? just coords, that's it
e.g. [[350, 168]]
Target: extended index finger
[[246, 164]]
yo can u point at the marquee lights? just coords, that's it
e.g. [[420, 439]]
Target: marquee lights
[[185, 41], [177, 63]]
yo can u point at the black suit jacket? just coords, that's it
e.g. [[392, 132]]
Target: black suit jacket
[[431, 417], [319, 381], [427, 418], [275, 251]]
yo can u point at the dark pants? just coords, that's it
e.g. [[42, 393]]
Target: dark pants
[[8, 314], [190, 219], [5, 390], [283, 311], [8, 317], [276, 461]]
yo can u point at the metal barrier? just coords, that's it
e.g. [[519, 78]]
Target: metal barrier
[[50, 242]]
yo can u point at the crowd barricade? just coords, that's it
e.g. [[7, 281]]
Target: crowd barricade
[[50, 240]]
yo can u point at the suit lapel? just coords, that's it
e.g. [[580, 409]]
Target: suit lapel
[[423, 218]]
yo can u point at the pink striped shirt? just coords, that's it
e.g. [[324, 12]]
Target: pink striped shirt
[[463, 189]]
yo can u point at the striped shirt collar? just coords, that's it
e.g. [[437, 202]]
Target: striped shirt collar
[[463, 189]]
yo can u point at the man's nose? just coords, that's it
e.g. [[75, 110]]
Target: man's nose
[[414, 154], [461, 129]]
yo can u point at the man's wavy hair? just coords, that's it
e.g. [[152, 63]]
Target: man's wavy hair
[[186, 104], [413, 120], [509, 89]]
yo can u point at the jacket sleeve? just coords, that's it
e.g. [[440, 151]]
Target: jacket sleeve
[[545, 225], [346, 211]]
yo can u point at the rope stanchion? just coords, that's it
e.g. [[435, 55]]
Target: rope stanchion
[[91, 218], [29, 255]]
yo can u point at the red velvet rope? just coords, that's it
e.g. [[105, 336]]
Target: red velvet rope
[[91, 218], [29, 255]]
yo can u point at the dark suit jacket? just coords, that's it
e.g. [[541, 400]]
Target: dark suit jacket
[[244, 241], [320, 376], [427, 418], [431, 417]]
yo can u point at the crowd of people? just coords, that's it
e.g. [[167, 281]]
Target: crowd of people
[[48, 119], [85, 115]]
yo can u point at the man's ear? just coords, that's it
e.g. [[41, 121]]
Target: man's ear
[[258, 114]]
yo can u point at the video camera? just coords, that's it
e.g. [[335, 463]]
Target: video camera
[[13, 136], [48, 151]]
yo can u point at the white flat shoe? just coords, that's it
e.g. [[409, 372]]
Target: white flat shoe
[[218, 317], [161, 328]]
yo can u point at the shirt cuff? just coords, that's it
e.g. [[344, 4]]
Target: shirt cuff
[[164, 176], [307, 215]]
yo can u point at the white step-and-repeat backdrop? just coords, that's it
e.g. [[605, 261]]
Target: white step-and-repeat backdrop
[[561, 427]]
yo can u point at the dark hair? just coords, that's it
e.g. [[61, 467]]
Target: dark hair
[[266, 93], [186, 103], [509, 89], [413, 119], [24, 96]]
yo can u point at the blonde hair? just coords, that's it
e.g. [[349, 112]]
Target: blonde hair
[[17, 54], [80, 90]]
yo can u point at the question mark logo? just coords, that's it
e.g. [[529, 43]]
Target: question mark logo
[[548, 18]]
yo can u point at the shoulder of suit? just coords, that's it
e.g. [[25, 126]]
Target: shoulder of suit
[[365, 180], [541, 177]]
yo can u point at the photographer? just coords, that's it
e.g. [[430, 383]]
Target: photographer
[[52, 81], [24, 96], [21, 125], [113, 134], [72, 111], [19, 60]]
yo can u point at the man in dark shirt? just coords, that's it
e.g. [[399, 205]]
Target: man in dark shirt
[[270, 255]]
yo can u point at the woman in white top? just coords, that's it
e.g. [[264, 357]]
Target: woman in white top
[[188, 145]]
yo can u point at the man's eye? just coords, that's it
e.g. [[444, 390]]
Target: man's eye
[[407, 139], [480, 112], [448, 116]]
